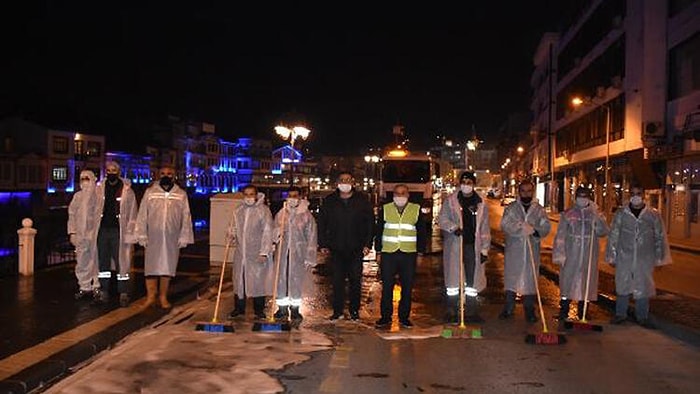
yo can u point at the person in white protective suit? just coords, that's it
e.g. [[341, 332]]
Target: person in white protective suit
[[295, 235], [163, 227], [82, 232], [464, 221], [251, 232], [636, 245], [523, 221], [117, 210], [578, 227]]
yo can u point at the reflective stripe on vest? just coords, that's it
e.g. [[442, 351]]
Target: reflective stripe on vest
[[400, 229]]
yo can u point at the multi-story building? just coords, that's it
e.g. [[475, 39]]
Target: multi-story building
[[632, 65]]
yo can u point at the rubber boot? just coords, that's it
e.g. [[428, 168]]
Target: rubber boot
[[295, 314], [164, 284], [282, 312], [151, 291], [509, 307], [259, 307], [452, 313], [579, 312], [529, 307], [564, 309], [238, 307], [472, 312]]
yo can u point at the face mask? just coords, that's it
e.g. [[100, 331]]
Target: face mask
[[400, 201], [166, 181], [292, 202], [249, 201], [112, 177], [466, 189], [84, 185], [526, 200], [344, 187], [636, 200], [582, 201]]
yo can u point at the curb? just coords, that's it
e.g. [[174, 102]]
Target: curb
[[42, 374]]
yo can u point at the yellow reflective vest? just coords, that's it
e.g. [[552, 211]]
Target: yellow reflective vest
[[400, 229]]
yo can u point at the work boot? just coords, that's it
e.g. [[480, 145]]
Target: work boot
[[529, 308], [238, 308], [99, 297], [82, 294], [579, 312], [124, 300], [472, 311], [452, 312], [164, 284], [509, 307], [530, 316], [282, 312], [151, 291], [295, 314], [259, 307], [564, 308]]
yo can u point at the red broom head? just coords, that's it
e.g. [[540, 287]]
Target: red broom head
[[545, 338]]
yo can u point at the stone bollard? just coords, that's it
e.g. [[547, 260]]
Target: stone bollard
[[26, 247]]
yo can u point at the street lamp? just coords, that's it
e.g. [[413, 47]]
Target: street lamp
[[577, 102], [291, 135]]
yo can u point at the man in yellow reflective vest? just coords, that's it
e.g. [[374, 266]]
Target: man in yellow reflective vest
[[401, 234]]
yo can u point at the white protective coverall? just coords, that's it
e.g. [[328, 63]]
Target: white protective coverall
[[635, 247], [572, 251], [82, 229], [517, 272], [163, 226], [450, 219], [252, 237], [295, 230], [128, 212]]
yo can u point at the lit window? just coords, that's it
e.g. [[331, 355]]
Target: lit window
[[59, 173]]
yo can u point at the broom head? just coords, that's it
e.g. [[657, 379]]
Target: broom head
[[582, 326], [545, 338], [214, 327]]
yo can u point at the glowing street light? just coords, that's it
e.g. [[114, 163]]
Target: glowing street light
[[292, 134]]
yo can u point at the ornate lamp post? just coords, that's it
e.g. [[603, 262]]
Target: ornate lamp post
[[292, 135]]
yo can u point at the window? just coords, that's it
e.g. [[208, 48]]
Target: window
[[684, 68], [60, 145], [79, 147], [59, 173], [94, 148]]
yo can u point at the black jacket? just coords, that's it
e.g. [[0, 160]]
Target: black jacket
[[345, 226]]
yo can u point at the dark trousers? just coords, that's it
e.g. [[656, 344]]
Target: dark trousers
[[403, 264], [108, 251], [346, 264], [469, 263]]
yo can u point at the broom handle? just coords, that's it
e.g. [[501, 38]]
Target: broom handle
[[215, 319], [588, 274], [278, 256], [461, 271], [537, 287]]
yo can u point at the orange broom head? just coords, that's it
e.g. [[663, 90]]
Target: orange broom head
[[545, 338]]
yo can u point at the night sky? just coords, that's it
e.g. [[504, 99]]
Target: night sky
[[350, 71]]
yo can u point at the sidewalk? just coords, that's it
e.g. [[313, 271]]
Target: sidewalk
[[681, 277], [45, 332]]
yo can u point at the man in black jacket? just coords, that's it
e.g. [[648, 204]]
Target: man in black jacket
[[345, 232]]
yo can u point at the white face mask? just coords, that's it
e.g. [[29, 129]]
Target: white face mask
[[582, 201], [400, 201], [466, 189], [292, 202], [84, 185], [249, 201], [636, 200], [344, 187]]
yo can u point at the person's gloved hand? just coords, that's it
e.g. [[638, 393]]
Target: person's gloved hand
[[309, 265], [262, 259], [458, 232], [230, 237], [528, 229], [484, 258], [74, 239], [143, 241]]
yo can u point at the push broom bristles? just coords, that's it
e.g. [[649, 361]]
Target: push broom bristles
[[582, 326]]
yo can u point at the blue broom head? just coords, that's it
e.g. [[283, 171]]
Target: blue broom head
[[215, 327]]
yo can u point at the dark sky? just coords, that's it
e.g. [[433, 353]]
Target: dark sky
[[349, 70]]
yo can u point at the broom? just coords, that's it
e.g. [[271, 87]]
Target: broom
[[583, 324], [270, 324], [545, 337], [215, 325], [462, 331]]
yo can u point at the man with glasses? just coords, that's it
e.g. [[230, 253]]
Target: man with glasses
[[116, 210], [345, 234], [163, 227]]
